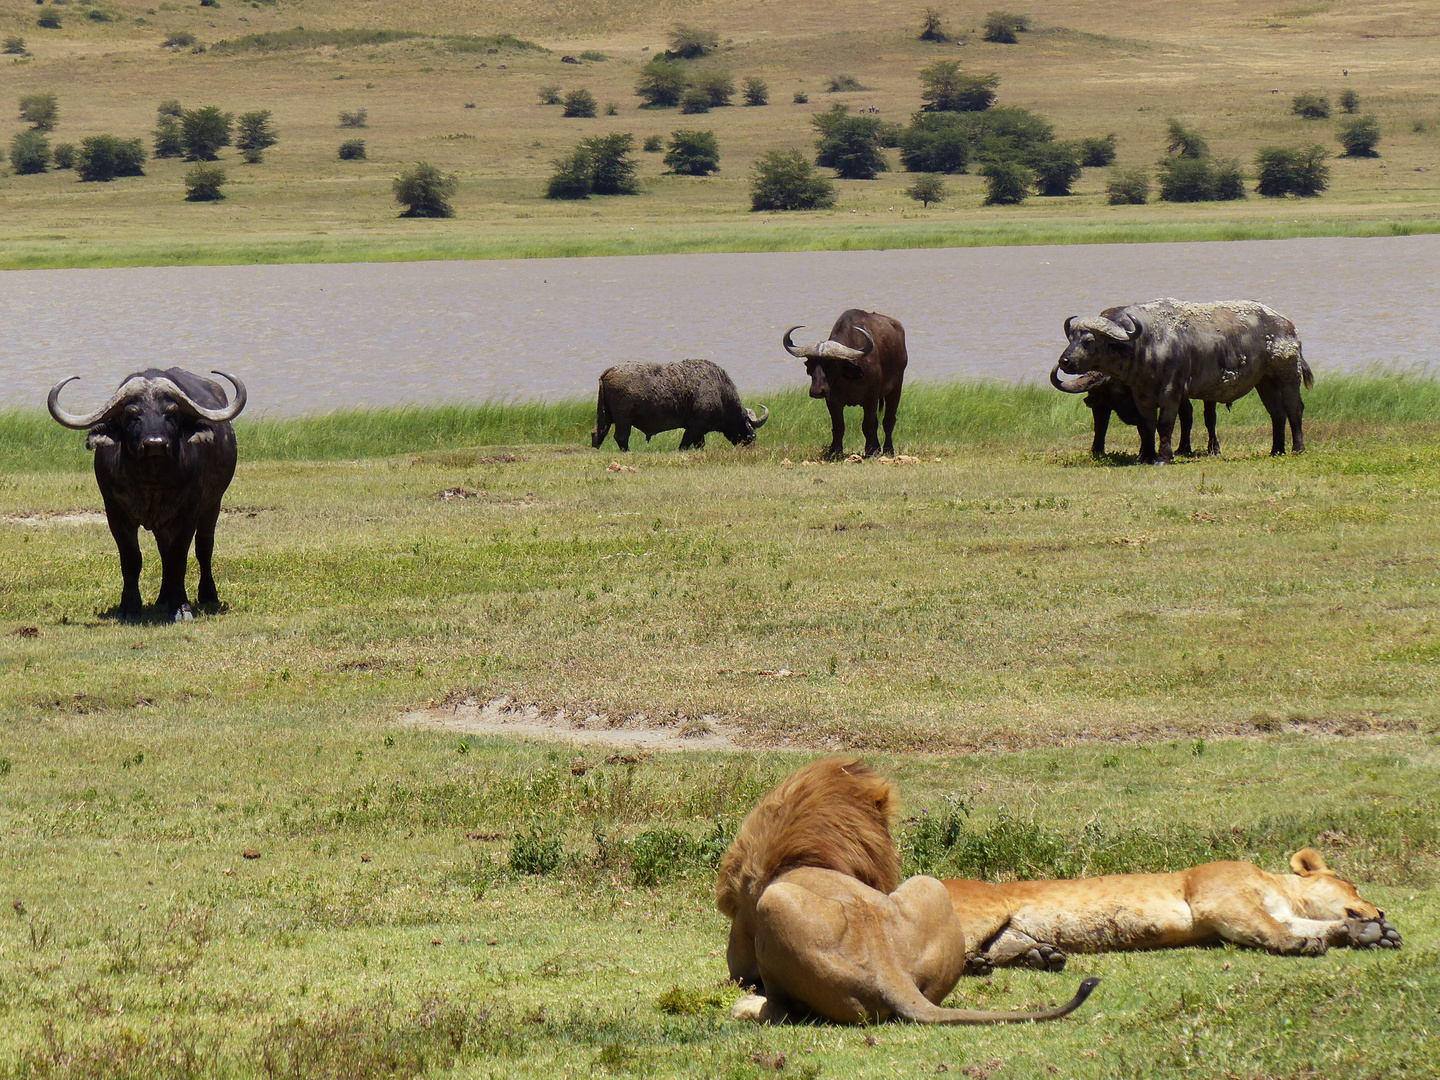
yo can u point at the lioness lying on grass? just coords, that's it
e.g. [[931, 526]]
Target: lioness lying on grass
[[819, 921], [1035, 923]]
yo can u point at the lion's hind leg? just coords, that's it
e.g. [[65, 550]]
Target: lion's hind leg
[[1015, 948]]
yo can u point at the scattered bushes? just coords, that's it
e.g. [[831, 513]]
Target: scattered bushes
[[354, 118], [1097, 153], [1005, 27], [49, 19], [1056, 166], [1292, 171], [203, 183], [844, 84], [352, 150], [755, 90], [784, 180], [1350, 101], [653, 144], [254, 135], [1006, 182], [1311, 106], [718, 86], [1207, 179], [661, 83], [849, 144], [64, 155], [598, 166], [580, 103], [41, 111], [15, 46], [204, 131], [945, 89], [1128, 187], [931, 28], [104, 157], [928, 188], [694, 100], [30, 152], [181, 39], [947, 142], [801, 98], [425, 191], [1359, 136], [689, 42], [693, 153]]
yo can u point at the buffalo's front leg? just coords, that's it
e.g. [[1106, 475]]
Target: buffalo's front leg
[[127, 541], [204, 550], [1102, 425], [837, 429], [1187, 421], [1146, 427], [870, 425], [174, 554], [691, 441], [1165, 426]]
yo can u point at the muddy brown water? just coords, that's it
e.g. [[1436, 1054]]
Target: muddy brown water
[[312, 338]]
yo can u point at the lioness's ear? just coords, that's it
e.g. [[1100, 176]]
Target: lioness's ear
[[1307, 861]]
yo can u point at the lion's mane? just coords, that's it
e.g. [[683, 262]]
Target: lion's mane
[[833, 814]]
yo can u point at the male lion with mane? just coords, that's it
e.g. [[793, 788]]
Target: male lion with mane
[[1034, 923], [819, 921]]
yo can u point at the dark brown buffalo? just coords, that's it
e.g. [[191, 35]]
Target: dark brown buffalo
[[861, 363], [164, 455], [696, 395], [1169, 350], [1103, 396]]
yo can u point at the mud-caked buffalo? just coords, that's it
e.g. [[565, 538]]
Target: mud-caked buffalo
[[695, 395], [861, 363], [1104, 396], [164, 455], [1169, 350]]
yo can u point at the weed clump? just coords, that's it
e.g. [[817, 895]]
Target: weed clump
[[784, 180], [1005, 27], [203, 183], [535, 854], [425, 191]]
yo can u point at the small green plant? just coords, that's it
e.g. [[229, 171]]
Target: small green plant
[[932, 28], [849, 144], [549, 94], [844, 84], [662, 83], [1004, 27], [181, 39], [593, 56], [41, 111], [784, 180], [1097, 153], [1056, 166], [571, 178], [203, 183], [5, 767], [927, 188], [169, 138], [254, 135], [1350, 101], [534, 853], [1359, 135], [801, 98], [612, 108], [1185, 142], [1006, 182], [686, 1001], [580, 104], [104, 157], [1128, 187], [49, 19], [653, 144], [30, 152], [688, 42], [1283, 170], [945, 89], [15, 46], [354, 118], [693, 153], [755, 90], [205, 131], [171, 110], [1311, 106], [694, 100], [424, 191], [64, 155]]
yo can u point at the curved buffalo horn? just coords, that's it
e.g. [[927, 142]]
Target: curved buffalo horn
[[833, 350], [1083, 384], [1132, 328], [790, 345], [99, 416], [1098, 324], [216, 416], [1068, 321], [758, 421]]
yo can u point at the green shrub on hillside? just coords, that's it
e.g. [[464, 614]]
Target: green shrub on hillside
[[717, 85], [849, 144], [104, 157], [1206, 179], [204, 131], [844, 84], [30, 152], [181, 39], [254, 135], [1004, 27], [1311, 106], [662, 82], [49, 19], [1359, 135], [689, 42], [425, 191], [947, 142], [1185, 142], [354, 118], [580, 104], [571, 178], [14, 46], [755, 90], [1056, 166], [549, 94], [1128, 187], [203, 183], [784, 180], [945, 89], [1097, 153], [932, 28], [1350, 101], [694, 100], [41, 111], [928, 188], [64, 155], [801, 98], [1292, 171], [352, 150], [653, 144], [612, 169], [693, 153], [171, 109], [169, 138], [1006, 182]]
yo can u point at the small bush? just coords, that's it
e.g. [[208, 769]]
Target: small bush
[[15, 46], [354, 118], [99, 15], [352, 150], [931, 27], [688, 42], [1004, 27], [203, 183], [661, 83], [928, 188], [30, 152], [535, 853], [1097, 153], [612, 108], [571, 179], [1359, 136], [104, 157], [1350, 101], [1206, 179], [593, 56], [254, 135], [580, 104], [1006, 182], [41, 111], [694, 101], [1292, 171], [425, 191], [612, 170], [169, 110], [1056, 167], [786, 181], [549, 94], [718, 85], [205, 131], [1229, 179], [945, 89], [49, 19], [755, 90], [64, 155], [693, 153], [1128, 187], [844, 84], [1311, 106], [169, 138], [801, 98], [1185, 142], [181, 39], [653, 144], [849, 144]]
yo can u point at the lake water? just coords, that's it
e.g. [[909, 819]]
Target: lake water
[[312, 338]]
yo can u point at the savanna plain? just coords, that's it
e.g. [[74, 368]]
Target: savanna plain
[[231, 848]]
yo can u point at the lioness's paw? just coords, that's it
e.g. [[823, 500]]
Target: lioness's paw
[[1312, 946], [1045, 958], [1389, 936], [978, 965], [1376, 935], [748, 1007]]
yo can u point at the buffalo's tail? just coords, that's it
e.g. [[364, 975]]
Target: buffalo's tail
[[602, 414], [1306, 375]]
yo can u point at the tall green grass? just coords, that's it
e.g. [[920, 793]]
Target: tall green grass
[[933, 416]]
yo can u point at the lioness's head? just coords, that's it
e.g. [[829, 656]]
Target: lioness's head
[[1324, 894]]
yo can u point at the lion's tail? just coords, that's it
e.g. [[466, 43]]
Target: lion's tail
[[920, 1010]]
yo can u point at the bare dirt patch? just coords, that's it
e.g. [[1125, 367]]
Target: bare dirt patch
[[46, 519], [577, 725]]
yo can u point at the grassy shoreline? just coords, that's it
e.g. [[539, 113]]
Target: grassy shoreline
[[674, 240]]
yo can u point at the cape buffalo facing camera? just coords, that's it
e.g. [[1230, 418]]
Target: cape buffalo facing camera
[[1104, 396], [861, 363], [164, 455], [695, 395]]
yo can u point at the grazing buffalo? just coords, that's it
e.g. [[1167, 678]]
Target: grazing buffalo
[[1103, 396], [1169, 350], [695, 395], [862, 363], [164, 455]]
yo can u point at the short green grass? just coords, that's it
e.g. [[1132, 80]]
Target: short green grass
[[1067, 666]]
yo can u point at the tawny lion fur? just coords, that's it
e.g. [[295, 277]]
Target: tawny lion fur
[[819, 922]]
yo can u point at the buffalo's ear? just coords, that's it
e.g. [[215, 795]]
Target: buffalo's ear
[[204, 435], [96, 439], [1307, 861], [851, 370]]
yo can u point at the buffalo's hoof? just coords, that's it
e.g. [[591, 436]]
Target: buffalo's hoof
[[183, 613]]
